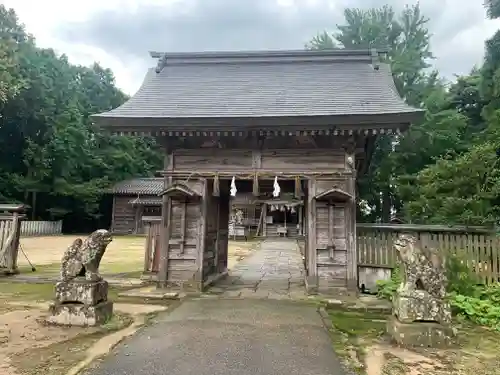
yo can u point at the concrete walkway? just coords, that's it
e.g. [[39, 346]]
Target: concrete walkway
[[274, 270], [226, 337]]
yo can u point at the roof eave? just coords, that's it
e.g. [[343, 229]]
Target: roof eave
[[144, 123]]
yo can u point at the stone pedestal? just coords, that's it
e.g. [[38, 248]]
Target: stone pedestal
[[420, 306], [82, 291], [424, 334], [80, 303], [420, 319]]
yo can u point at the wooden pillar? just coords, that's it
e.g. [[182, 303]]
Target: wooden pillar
[[301, 222], [165, 229], [113, 214], [183, 226], [202, 235], [264, 220], [352, 254], [138, 216], [217, 237], [312, 278], [148, 244], [350, 216]]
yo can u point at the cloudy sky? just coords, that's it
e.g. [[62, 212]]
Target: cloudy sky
[[119, 33]]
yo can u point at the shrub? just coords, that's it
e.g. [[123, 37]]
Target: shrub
[[387, 288], [483, 307]]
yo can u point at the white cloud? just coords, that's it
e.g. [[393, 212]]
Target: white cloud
[[119, 33]]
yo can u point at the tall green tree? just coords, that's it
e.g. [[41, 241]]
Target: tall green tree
[[464, 187], [406, 37], [48, 144], [12, 38]]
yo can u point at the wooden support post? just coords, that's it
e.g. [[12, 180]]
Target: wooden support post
[[256, 165], [301, 222], [298, 188], [202, 242], [147, 247], [183, 226], [138, 216], [217, 239], [264, 222], [255, 186], [216, 188], [350, 219], [330, 229], [312, 272], [166, 219]]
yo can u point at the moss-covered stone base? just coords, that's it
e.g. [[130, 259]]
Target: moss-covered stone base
[[72, 314], [423, 334]]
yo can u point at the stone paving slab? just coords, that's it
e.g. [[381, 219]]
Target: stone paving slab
[[275, 271]]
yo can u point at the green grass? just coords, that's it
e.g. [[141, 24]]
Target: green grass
[[352, 332], [355, 332], [39, 292], [125, 270]]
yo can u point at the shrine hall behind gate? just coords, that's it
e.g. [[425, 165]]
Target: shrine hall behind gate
[[305, 119]]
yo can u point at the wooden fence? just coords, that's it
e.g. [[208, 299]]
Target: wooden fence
[[40, 228], [479, 248]]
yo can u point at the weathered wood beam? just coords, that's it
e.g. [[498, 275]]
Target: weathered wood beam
[[216, 187], [263, 174], [183, 226], [217, 238], [255, 185], [330, 229], [202, 242], [312, 271], [148, 244], [264, 221], [298, 188], [350, 220], [166, 219]]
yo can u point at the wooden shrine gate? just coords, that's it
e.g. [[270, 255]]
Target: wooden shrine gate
[[312, 117]]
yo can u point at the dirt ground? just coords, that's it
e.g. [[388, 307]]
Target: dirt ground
[[29, 347], [124, 255], [359, 338]]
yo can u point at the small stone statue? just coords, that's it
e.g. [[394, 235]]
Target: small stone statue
[[422, 268], [82, 294], [83, 258], [421, 315]]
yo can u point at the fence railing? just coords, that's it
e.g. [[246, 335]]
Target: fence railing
[[41, 228], [478, 247]]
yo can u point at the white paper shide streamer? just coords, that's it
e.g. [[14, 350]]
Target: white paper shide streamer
[[277, 189], [233, 188]]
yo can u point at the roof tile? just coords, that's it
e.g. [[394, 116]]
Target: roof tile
[[255, 86], [143, 186]]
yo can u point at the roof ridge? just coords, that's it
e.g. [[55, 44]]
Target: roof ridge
[[271, 53], [275, 56]]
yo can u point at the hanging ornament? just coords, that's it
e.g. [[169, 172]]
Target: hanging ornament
[[233, 188], [292, 209], [282, 208], [277, 189]]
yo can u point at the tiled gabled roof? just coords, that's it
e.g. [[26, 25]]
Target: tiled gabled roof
[[264, 84], [143, 186]]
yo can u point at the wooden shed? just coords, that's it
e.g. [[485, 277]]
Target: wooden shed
[[132, 200], [244, 122]]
